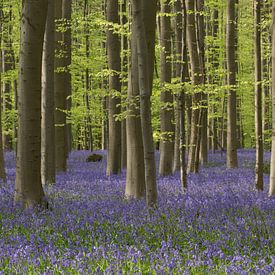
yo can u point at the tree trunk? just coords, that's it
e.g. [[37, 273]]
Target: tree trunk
[[167, 130], [182, 105], [3, 175], [140, 24], [258, 98], [201, 37], [113, 49], [48, 107], [124, 70], [272, 164], [178, 61], [87, 81], [197, 80], [135, 176], [28, 189], [60, 94], [232, 161], [67, 38], [7, 54]]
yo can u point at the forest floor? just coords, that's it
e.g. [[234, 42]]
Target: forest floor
[[221, 226]]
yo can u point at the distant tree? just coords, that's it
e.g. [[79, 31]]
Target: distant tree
[[124, 72], [272, 163], [178, 29], [3, 175], [7, 64], [232, 161], [60, 93], [48, 107], [67, 40], [197, 81], [258, 98], [28, 188]]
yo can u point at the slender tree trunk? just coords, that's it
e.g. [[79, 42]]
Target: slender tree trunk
[[60, 94], [28, 188], [114, 64], [232, 161], [167, 111], [7, 86], [124, 70], [67, 38], [201, 37], [184, 78], [3, 175], [197, 80], [87, 81], [48, 107], [258, 98], [272, 164], [178, 109], [139, 34]]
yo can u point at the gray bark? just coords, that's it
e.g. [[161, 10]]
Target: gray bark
[[28, 188], [48, 107], [167, 129]]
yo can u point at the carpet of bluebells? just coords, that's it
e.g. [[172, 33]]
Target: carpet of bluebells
[[221, 226]]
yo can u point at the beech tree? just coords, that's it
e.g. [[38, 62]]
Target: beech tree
[[145, 69], [114, 65], [258, 98], [166, 111], [48, 107], [232, 161], [272, 163], [3, 175], [197, 81], [28, 188]]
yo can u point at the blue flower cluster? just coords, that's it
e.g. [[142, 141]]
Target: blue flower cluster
[[221, 226]]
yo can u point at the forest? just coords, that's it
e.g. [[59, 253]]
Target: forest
[[137, 137]]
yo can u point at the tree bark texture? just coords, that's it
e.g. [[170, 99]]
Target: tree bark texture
[[28, 188], [167, 129], [48, 107]]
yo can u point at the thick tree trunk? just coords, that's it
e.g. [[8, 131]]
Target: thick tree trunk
[[167, 129], [60, 94], [232, 161], [114, 64], [28, 189], [135, 176], [139, 34], [48, 107], [258, 98], [272, 164]]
